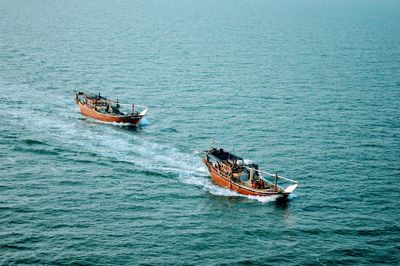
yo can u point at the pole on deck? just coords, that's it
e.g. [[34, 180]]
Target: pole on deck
[[276, 182]]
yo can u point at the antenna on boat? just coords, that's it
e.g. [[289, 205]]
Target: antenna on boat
[[213, 143]]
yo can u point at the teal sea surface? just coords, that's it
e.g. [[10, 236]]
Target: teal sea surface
[[308, 89]]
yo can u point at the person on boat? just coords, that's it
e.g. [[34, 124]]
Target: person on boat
[[235, 167], [133, 109]]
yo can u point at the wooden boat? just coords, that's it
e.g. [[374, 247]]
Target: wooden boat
[[243, 176], [108, 110]]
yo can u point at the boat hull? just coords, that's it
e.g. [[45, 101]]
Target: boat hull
[[225, 182], [127, 119]]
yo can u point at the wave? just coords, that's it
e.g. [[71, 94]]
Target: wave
[[62, 127], [143, 123]]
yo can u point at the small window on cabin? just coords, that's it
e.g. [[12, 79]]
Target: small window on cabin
[[245, 176]]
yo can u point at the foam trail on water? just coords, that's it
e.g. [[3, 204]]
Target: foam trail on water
[[144, 122], [67, 128]]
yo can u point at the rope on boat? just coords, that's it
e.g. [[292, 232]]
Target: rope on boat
[[130, 105], [273, 175]]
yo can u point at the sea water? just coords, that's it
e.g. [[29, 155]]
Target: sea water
[[308, 89]]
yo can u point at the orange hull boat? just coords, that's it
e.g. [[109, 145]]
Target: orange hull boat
[[107, 110], [242, 176]]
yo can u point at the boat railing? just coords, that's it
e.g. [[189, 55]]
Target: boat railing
[[259, 171], [94, 100], [104, 102], [263, 172], [130, 105], [274, 175]]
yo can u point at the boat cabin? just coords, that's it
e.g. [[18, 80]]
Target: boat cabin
[[239, 170], [101, 104]]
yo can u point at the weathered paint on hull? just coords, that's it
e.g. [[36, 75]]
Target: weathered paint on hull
[[133, 120]]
